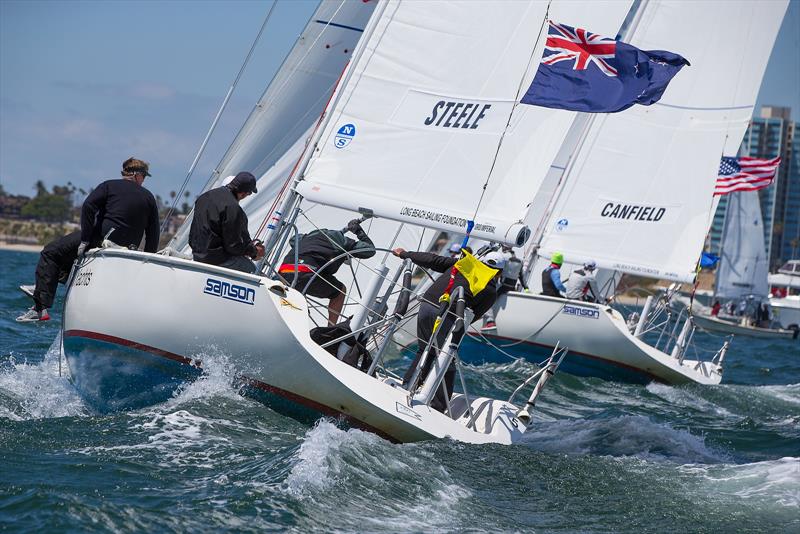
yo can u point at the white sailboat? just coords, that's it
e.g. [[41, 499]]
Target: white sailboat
[[373, 154], [741, 282], [633, 191]]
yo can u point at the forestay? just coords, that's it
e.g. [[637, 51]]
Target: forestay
[[743, 268], [638, 194], [417, 130], [276, 132]]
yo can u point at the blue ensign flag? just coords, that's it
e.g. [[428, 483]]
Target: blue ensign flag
[[583, 71]]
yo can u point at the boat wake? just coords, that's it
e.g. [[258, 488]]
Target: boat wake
[[36, 391], [770, 483], [218, 380], [404, 487]]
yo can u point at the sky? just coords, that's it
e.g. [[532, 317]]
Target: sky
[[86, 84]]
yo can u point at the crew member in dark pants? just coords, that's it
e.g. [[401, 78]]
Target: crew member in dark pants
[[429, 308], [315, 250], [219, 233], [121, 210]]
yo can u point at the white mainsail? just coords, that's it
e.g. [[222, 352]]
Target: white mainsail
[[638, 193], [427, 117], [276, 132], [743, 268]]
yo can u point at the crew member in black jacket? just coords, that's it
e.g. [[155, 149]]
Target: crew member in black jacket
[[429, 307], [120, 210], [219, 234], [315, 250]]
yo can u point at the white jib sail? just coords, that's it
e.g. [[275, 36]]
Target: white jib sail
[[415, 133], [638, 193], [275, 133], [743, 266]]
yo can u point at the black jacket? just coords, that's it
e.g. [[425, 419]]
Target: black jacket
[[219, 228], [479, 304], [127, 208], [318, 247]]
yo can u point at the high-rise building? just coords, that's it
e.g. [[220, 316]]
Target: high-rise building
[[770, 135]]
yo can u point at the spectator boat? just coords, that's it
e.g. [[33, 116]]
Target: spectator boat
[[784, 287]]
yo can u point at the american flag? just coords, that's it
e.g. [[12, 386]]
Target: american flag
[[745, 174]]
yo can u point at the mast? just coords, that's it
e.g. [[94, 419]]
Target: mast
[[273, 232], [583, 122]]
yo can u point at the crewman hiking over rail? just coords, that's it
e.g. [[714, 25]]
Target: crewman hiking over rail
[[314, 251], [120, 210]]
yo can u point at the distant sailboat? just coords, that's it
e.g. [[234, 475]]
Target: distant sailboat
[[741, 281], [633, 191]]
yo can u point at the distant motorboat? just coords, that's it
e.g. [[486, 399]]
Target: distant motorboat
[[784, 296]]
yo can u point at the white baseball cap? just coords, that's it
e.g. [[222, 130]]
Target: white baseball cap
[[495, 259]]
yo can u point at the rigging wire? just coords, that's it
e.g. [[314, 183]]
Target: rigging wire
[[217, 117], [243, 132], [545, 22]]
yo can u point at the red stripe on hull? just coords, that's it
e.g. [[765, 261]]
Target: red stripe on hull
[[132, 344], [326, 410]]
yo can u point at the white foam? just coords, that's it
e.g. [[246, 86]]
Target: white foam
[[217, 379], [178, 438], [788, 393], [315, 467], [39, 391], [773, 481], [371, 469]]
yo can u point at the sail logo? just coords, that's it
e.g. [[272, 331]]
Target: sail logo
[[344, 135], [454, 114], [561, 224], [633, 212], [579, 311], [226, 290], [426, 111]]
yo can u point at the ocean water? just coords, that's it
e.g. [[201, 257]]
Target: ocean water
[[603, 457]]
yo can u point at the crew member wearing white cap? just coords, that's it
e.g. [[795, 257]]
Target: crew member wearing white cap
[[582, 284]]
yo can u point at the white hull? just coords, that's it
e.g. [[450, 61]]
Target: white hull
[[728, 327], [134, 321], [597, 337], [787, 310]]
